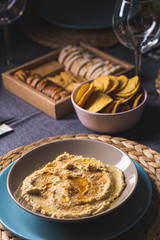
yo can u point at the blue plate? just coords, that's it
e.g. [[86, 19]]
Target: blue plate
[[78, 14], [28, 226]]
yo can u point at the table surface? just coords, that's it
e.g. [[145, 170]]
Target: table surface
[[31, 124]]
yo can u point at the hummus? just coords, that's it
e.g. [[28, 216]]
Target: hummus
[[73, 186]]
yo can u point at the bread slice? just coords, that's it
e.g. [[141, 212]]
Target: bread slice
[[67, 51], [71, 61], [78, 64], [93, 68], [96, 73], [63, 53]]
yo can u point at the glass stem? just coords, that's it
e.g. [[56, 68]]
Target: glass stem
[[138, 57], [6, 39]]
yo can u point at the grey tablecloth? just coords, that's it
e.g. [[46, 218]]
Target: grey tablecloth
[[31, 124]]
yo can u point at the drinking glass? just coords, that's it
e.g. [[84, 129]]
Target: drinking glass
[[10, 11], [136, 24]]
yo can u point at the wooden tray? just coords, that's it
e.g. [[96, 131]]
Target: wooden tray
[[56, 109]]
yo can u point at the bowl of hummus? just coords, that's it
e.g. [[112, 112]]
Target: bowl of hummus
[[70, 180]]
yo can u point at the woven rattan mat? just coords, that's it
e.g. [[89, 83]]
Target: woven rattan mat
[[46, 34], [148, 228]]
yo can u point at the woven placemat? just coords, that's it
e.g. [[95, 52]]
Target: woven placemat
[[46, 34], [157, 82], [148, 228]]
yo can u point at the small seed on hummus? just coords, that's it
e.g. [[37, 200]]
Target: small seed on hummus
[[73, 186]]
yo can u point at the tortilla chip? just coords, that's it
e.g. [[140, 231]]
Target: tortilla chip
[[81, 91], [108, 108], [125, 108], [99, 101], [128, 94], [98, 86], [72, 86], [116, 105], [130, 87], [106, 84], [68, 77], [101, 83], [123, 80], [92, 98], [114, 83], [137, 99], [85, 96], [126, 99]]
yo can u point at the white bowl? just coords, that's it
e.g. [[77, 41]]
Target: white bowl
[[108, 122], [39, 156]]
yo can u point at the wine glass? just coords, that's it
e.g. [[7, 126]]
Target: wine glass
[[10, 11], [136, 24]]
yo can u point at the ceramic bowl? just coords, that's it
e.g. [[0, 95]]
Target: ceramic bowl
[[111, 122], [39, 156]]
